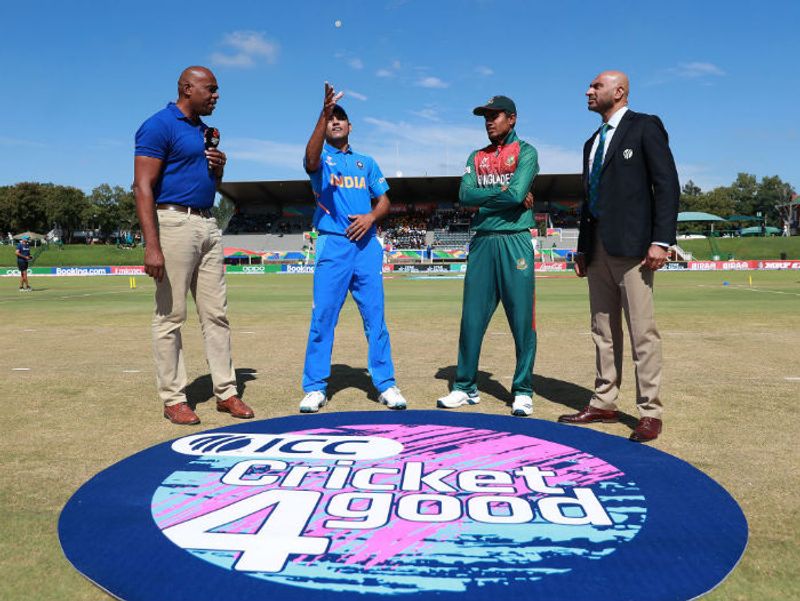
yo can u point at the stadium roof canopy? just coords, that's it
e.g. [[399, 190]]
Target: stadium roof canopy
[[546, 188], [698, 216]]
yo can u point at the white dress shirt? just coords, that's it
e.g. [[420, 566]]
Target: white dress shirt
[[613, 122]]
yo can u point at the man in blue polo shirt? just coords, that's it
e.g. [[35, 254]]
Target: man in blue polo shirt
[[175, 181], [350, 191]]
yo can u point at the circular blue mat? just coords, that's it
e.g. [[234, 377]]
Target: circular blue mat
[[414, 504]]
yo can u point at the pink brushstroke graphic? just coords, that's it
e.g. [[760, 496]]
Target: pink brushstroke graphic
[[438, 447]]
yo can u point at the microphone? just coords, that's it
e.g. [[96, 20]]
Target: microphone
[[211, 140], [211, 137]]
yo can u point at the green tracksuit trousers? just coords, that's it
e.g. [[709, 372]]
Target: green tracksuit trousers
[[499, 269]]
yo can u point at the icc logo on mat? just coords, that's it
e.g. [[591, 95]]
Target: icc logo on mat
[[426, 504]]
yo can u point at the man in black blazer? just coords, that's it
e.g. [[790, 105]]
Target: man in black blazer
[[628, 222]]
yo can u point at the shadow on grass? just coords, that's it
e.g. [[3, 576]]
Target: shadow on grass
[[572, 396], [569, 395], [485, 381], [344, 376], [201, 389]]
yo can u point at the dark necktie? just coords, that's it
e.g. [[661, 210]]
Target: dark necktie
[[597, 167]]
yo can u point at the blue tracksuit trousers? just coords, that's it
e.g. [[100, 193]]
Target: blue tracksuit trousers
[[343, 265]]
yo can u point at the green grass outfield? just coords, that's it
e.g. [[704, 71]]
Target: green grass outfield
[[745, 248], [73, 255], [731, 388]]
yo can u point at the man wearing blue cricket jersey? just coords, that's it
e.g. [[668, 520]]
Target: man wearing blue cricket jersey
[[350, 192]]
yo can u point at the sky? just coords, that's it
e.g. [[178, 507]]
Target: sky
[[82, 76]]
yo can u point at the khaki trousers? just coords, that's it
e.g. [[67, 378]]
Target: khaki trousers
[[193, 260], [620, 285]]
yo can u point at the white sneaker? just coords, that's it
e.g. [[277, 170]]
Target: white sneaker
[[392, 398], [457, 398], [313, 401], [523, 405]]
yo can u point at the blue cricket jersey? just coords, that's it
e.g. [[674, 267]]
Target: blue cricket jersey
[[24, 250], [345, 184]]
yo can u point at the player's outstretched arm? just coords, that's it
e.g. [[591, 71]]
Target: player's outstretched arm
[[317, 139]]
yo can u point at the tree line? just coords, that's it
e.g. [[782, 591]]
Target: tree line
[[745, 196], [37, 207]]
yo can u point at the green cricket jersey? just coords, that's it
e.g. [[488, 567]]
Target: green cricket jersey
[[512, 164]]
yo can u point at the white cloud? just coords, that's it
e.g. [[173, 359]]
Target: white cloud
[[245, 48], [431, 82], [266, 152], [431, 114], [484, 70], [355, 95], [356, 63], [416, 147], [696, 69], [425, 148], [232, 60], [554, 158], [390, 71]]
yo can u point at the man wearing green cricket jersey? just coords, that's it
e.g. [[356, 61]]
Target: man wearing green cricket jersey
[[497, 180]]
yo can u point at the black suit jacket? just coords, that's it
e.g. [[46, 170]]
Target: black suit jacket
[[639, 190]]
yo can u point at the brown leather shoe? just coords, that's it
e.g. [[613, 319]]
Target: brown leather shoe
[[646, 430], [181, 414], [590, 415], [236, 407]]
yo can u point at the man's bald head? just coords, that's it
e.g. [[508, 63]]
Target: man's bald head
[[190, 75], [608, 93], [197, 91]]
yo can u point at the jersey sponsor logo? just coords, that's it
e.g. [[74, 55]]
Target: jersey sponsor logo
[[348, 181], [510, 160], [329, 161], [359, 164], [423, 504], [467, 170]]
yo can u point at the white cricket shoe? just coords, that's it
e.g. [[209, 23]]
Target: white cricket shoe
[[457, 398], [313, 401], [392, 398], [523, 405]]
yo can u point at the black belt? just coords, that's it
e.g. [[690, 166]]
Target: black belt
[[184, 209]]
